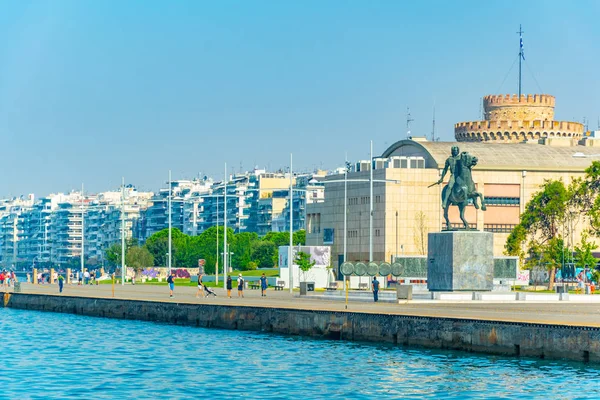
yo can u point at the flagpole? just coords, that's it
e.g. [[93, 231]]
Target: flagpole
[[521, 57]]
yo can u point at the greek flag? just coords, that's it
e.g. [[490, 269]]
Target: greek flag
[[521, 46]]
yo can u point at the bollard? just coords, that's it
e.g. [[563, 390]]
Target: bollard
[[35, 276], [52, 276], [69, 276]]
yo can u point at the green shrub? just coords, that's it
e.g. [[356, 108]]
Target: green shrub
[[251, 266]]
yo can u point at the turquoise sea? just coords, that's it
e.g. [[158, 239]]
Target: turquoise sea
[[62, 356]]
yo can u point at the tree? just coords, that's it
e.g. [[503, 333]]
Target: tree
[[584, 258], [539, 225], [299, 238], [590, 197], [278, 238], [304, 262], [265, 254], [113, 253], [158, 245], [139, 258], [241, 248], [206, 244], [420, 232]]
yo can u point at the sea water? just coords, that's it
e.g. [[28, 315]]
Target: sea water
[[56, 356]]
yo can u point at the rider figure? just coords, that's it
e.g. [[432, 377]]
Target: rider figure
[[450, 165]]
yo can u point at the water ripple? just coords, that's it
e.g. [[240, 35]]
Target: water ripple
[[62, 356]]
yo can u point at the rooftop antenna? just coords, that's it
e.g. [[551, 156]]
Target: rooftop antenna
[[521, 56], [433, 123], [408, 121]]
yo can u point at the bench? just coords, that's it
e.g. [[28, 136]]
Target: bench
[[363, 286], [332, 286], [254, 285], [279, 285]]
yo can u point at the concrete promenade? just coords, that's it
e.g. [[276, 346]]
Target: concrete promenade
[[531, 312]]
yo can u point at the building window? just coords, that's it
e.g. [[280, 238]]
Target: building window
[[377, 232], [499, 228], [503, 201]]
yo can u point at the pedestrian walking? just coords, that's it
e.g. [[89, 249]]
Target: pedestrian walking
[[263, 285], [240, 283], [375, 286], [61, 282], [171, 282], [86, 277], [200, 286], [229, 284]]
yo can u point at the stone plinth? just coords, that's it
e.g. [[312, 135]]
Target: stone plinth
[[460, 261]]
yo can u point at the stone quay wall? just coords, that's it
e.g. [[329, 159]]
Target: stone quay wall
[[493, 337]]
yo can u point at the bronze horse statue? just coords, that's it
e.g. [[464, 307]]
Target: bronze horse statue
[[463, 189]]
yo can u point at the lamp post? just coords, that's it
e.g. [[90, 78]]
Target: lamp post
[[123, 231], [82, 231], [290, 261], [225, 229], [371, 203], [346, 169], [217, 262], [396, 235], [169, 213]]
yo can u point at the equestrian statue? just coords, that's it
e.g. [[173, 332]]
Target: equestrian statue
[[460, 187]]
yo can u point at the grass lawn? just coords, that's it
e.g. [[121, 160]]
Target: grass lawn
[[258, 272]]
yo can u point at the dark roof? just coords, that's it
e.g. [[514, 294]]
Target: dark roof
[[507, 156]]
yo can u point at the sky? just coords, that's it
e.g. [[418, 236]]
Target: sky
[[91, 91]]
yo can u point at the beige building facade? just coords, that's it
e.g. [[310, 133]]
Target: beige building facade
[[405, 211]]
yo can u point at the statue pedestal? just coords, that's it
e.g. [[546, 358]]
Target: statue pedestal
[[460, 261]]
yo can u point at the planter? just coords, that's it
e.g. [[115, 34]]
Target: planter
[[306, 287], [303, 287]]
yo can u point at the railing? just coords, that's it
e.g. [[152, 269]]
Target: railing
[[460, 225], [499, 228], [503, 201]]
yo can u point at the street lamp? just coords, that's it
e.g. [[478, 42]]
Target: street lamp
[[169, 211], [82, 230], [396, 234], [225, 228], [122, 231], [290, 262]]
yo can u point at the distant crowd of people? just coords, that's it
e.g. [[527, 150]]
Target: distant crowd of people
[[7, 279], [206, 291]]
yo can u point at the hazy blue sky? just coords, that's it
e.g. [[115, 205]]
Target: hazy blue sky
[[94, 90]]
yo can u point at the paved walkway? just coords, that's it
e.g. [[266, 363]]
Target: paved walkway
[[561, 313]]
